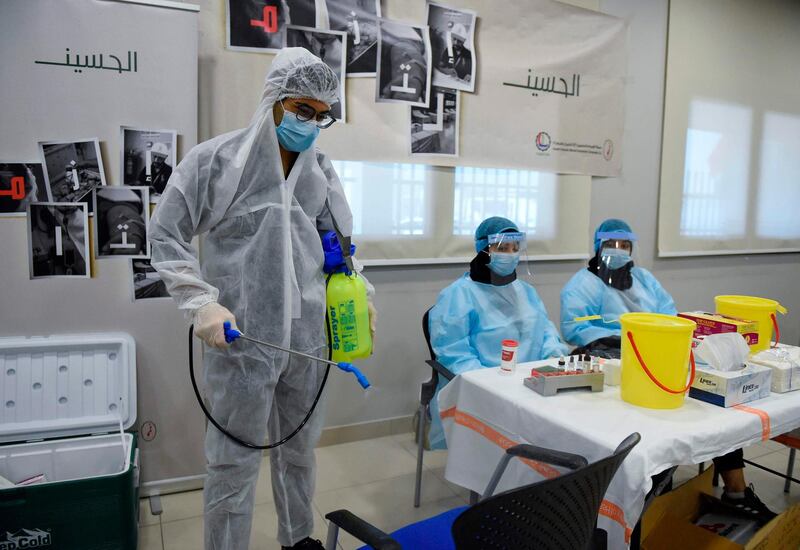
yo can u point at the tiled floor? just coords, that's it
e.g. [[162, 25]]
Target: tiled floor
[[374, 479]]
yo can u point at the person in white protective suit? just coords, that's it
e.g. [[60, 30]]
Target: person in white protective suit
[[262, 196]]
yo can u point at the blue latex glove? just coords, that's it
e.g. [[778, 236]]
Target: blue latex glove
[[334, 260]]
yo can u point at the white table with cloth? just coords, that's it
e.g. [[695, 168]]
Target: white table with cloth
[[485, 412]]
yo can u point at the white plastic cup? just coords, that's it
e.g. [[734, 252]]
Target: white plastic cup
[[508, 356]]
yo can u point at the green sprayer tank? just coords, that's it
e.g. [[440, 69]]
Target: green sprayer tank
[[348, 317]]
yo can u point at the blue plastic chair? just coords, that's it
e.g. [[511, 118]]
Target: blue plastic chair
[[555, 514]]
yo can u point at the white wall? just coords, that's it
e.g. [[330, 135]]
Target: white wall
[[403, 294]]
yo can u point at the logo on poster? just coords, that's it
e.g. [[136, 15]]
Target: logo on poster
[[543, 141], [25, 538], [608, 149]]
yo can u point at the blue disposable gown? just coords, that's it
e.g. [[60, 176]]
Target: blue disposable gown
[[471, 319], [587, 294]]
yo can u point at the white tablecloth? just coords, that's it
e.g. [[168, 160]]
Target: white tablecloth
[[485, 412]]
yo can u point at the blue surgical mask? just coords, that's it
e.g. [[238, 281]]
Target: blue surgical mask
[[615, 258], [294, 134], [504, 263]]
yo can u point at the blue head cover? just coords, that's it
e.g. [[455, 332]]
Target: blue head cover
[[613, 228], [490, 226]]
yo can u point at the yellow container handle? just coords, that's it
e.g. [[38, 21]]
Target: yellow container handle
[[653, 378]]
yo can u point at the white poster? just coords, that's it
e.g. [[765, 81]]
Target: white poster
[[434, 129], [563, 92], [453, 45], [578, 121]]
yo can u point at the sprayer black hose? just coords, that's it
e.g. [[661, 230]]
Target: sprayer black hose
[[242, 442]]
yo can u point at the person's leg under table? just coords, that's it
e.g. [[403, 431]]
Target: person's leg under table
[[737, 492]]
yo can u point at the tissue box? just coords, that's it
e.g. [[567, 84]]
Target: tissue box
[[785, 374], [714, 323], [726, 389]]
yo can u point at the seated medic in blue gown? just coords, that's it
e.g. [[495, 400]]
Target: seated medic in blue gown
[[613, 285], [610, 286], [485, 306]]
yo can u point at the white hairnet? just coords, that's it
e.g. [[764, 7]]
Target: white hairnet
[[296, 72]]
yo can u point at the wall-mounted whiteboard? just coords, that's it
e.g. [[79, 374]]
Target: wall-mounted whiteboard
[[77, 68]]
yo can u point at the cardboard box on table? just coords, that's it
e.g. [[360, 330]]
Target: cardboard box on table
[[669, 523], [716, 323]]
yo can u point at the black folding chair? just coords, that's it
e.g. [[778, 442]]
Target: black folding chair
[[553, 514], [426, 393]]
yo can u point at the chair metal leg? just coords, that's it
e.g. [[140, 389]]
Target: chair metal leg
[[789, 470], [495, 479], [333, 536], [421, 425]]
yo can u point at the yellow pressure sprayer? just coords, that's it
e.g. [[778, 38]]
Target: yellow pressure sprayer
[[347, 309]]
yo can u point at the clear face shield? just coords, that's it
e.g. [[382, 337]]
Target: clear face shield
[[616, 258], [508, 253]]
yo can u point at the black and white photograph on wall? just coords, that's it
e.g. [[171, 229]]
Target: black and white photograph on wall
[[359, 19], [21, 183], [147, 157], [72, 169], [453, 46], [328, 46], [404, 64], [58, 240], [434, 129], [256, 25], [302, 13], [146, 282], [121, 217]]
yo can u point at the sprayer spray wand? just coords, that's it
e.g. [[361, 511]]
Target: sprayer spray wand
[[232, 334]]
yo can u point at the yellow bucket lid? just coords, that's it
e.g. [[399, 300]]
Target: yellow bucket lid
[[659, 321], [750, 301]]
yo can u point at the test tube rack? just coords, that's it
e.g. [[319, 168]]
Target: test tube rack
[[548, 380]]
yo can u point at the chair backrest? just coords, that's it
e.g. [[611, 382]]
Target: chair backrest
[[426, 330], [553, 514]]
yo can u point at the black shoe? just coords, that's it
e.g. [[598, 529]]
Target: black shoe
[[750, 504], [306, 544]]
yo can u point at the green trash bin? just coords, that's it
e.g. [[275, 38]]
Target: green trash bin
[[71, 471]]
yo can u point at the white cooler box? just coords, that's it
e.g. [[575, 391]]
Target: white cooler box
[[66, 401]]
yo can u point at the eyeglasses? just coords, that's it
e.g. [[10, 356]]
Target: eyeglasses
[[618, 244], [305, 113]]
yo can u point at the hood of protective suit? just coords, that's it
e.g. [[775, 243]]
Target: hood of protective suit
[[296, 72], [252, 153]]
